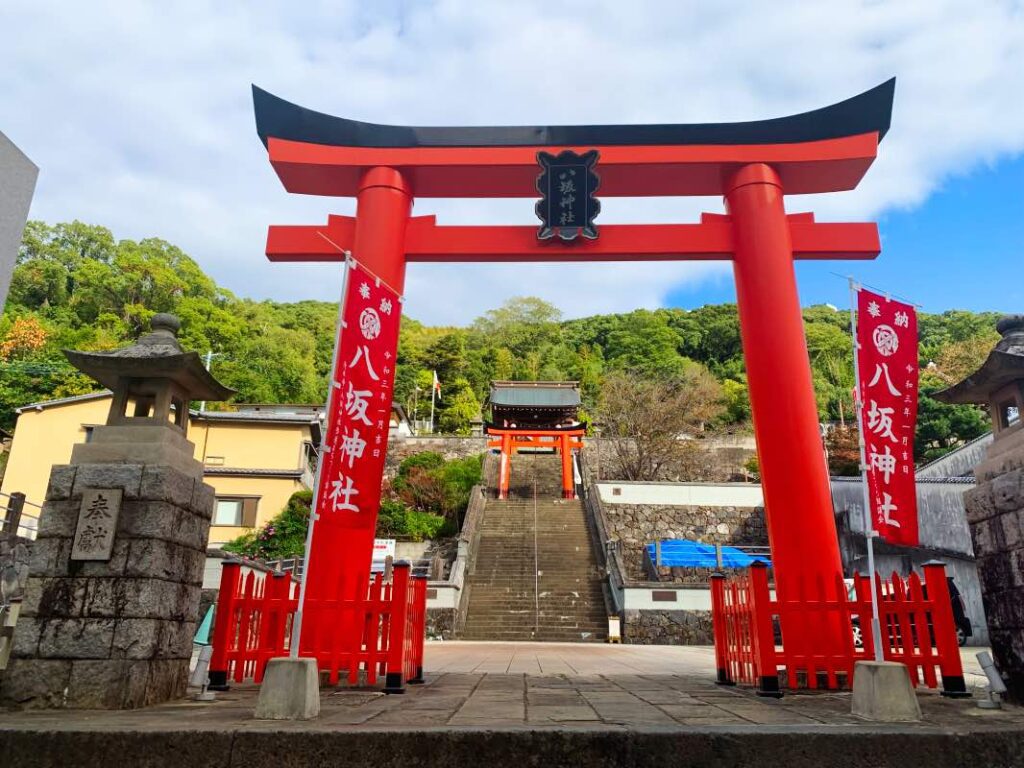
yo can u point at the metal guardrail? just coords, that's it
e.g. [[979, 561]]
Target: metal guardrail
[[18, 520]]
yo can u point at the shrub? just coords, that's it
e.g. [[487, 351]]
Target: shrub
[[283, 536]]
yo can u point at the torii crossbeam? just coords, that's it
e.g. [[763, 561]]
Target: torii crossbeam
[[752, 165]]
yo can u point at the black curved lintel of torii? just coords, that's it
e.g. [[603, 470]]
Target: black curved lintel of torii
[[868, 112]]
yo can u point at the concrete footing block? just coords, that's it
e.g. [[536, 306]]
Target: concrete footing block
[[290, 690], [882, 692]]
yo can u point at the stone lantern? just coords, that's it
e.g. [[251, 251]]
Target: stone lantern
[[112, 598], [995, 507], [153, 381]]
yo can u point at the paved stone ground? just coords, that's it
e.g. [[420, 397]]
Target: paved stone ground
[[541, 684], [583, 692]]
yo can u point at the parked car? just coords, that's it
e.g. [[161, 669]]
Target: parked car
[[962, 623]]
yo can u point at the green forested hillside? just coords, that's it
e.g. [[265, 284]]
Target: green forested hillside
[[75, 286]]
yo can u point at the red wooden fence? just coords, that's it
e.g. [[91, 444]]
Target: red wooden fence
[[381, 634], [772, 643]]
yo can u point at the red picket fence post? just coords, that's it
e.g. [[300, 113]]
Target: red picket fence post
[[719, 622], [224, 624], [950, 666], [398, 629], [765, 665], [419, 628]]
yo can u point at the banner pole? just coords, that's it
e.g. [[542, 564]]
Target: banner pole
[[293, 650], [869, 524]]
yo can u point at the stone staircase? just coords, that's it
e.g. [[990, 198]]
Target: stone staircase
[[507, 601]]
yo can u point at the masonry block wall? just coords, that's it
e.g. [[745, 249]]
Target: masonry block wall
[[114, 634], [637, 525]]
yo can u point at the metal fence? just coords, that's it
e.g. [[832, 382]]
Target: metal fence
[[21, 517]]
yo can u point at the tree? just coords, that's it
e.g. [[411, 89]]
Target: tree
[[646, 345], [647, 420], [461, 408], [941, 427]]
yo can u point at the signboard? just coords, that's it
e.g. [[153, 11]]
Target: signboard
[[888, 368], [352, 456], [382, 550], [97, 524], [567, 183]]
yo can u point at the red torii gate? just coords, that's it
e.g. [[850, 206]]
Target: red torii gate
[[752, 165]]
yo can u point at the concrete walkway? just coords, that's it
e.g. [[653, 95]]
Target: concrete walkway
[[524, 704]]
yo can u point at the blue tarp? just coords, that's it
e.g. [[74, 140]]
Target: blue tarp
[[694, 554]]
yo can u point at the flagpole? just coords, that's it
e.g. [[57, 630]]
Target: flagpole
[[869, 524], [433, 393], [293, 650]]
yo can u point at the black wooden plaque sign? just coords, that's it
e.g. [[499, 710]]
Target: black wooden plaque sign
[[567, 183]]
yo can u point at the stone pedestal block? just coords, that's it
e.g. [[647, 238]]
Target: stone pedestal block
[[882, 692], [290, 690], [113, 633]]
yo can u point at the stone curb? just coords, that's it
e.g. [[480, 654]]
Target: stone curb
[[735, 747]]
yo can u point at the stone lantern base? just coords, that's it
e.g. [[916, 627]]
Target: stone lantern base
[[117, 633]]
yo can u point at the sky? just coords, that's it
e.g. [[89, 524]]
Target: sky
[[139, 115]]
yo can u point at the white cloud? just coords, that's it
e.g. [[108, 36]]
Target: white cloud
[[140, 118]]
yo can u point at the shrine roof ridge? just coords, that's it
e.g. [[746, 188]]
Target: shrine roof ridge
[[868, 112]]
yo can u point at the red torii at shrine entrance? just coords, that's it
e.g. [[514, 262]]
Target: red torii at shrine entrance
[[752, 165]]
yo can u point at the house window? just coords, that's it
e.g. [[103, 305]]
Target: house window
[[238, 511], [228, 512]]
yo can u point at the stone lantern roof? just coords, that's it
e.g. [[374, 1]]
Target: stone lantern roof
[[157, 355], [1005, 365]]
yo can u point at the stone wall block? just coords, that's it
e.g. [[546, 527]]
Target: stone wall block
[[1016, 567], [153, 558], [96, 684], [176, 640], [59, 518], [979, 503], [60, 598], [137, 638], [995, 572], [203, 498], [76, 639], [151, 598], [150, 520], [193, 531], [115, 566], [127, 477], [1008, 492], [1010, 523], [163, 483], [62, 480], [168, 679], [33, 683], [50, 557], [26, 637]]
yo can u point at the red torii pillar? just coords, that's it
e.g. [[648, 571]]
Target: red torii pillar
[[751, 164]]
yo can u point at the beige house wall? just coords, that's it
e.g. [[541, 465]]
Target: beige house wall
[[45, 436], [273, 493]]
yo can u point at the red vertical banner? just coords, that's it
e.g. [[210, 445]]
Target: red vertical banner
[[355, 444], [888, 367]]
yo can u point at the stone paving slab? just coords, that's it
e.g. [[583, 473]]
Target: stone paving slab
[[630, 715]]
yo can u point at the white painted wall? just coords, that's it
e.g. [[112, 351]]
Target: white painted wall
[[447, 595], [689, 599], [683, 494]]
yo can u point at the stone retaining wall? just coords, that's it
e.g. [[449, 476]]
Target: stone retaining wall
[[636, 525], [668, 628], [401, 448], [441, 623]]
